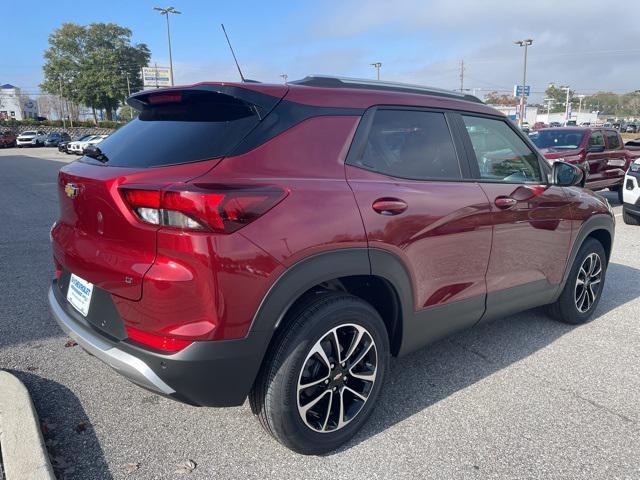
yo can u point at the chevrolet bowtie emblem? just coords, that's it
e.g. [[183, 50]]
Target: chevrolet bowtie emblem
[[71, 190]]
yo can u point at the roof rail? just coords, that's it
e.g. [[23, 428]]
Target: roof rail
[[346, 82]]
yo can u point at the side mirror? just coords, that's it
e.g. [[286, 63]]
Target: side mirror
[[566, 175], [595, 148]]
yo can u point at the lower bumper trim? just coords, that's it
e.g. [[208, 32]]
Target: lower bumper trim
[[129, 366]]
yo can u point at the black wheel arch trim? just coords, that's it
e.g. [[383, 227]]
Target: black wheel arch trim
[[602, 221]]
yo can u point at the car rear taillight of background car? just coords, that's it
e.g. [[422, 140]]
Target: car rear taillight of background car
[[215, 208]]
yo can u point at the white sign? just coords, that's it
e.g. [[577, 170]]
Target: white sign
[[156, 77]]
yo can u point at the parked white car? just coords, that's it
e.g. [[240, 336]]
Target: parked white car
[[94, 141], [631, 195], [31, 138], [78, 146]]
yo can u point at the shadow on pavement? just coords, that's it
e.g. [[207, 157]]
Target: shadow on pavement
[[73, 447], [424, 378]]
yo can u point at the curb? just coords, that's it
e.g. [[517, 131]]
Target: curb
[[24, 455]]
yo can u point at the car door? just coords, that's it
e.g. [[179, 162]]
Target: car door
[[596, 157], [617, 163], [407, 172], [531, 218]]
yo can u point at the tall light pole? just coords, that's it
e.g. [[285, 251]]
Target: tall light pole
[[377, 66], [580, 97], [166, 12], [523, 43], [284, 77], [566, 105]]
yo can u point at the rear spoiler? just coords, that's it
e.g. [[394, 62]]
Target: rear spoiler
[[263, 97]]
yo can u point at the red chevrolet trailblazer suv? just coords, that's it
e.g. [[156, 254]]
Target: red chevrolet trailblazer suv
[[599, 151], [282, 242]]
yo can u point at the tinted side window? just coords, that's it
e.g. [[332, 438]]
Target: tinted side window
[[501, 154], [410, 144], [612, 139], [596, 139]]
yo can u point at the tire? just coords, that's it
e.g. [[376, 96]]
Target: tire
[[629, 218], [571, 307], [295, 358]]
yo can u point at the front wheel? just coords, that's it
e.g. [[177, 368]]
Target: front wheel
[[583, 288], [322, 377]]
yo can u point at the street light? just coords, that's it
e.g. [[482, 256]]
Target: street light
[[525, 44], [566, 105], [166, 12], [580, 98], [284, 77], [377, 66]]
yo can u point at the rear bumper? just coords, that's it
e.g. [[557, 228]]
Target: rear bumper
[[211, 373]]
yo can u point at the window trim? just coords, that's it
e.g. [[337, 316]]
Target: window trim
[[545, 169], [359, 142]]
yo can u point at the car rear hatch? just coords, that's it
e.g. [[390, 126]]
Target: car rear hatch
[[179, 135]]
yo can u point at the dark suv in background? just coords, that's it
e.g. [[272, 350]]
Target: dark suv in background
[[282, 242], [54, 139]]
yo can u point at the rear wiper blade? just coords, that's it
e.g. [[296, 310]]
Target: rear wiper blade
[[95, 152]]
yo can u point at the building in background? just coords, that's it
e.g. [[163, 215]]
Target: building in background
[[511, 111], [14, 105]]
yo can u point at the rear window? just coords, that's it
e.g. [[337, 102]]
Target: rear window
[[613, 139], [192, 126], [410, 144]]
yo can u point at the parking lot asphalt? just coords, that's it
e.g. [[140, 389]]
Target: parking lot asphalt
[[523, 397]]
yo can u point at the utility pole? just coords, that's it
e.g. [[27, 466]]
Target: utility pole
[[461, 75], [566, 105], [64, 122], [580, 98], [525, 44], [284, 77], [129, 92], [377, 66], [166, 12]]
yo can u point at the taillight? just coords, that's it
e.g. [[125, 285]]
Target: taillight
[[219, 208], [157, 342]]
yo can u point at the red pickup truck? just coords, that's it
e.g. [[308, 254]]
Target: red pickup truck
[[600, 151]]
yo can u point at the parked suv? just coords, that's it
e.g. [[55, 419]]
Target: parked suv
[[282, 242], [599, 151], [54, 139], [31, 138], [7, 139], [631, 195]]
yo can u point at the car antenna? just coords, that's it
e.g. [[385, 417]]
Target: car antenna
[[233, 53]]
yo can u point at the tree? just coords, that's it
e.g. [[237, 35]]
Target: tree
[[558, 97], [90, 65], [495, 98]]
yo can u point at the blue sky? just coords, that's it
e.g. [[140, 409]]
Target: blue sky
[[418, 41]]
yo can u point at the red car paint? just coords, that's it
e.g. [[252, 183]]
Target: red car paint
[[456, 240], [604, 168]]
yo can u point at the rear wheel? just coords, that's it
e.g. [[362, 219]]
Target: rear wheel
[[321, 379], [583, 288], [629, 218]]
